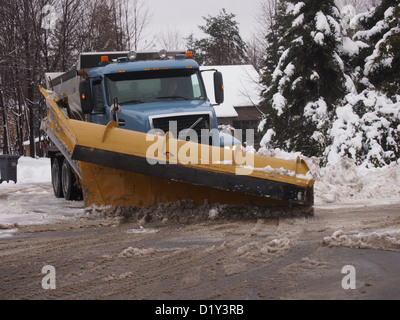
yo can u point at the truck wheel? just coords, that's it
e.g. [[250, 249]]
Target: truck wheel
[[56, 178], [69, 183]]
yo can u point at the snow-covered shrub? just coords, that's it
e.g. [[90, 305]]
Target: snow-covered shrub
[[366, 129]]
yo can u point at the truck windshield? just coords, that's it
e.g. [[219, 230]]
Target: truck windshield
[[154, 85]]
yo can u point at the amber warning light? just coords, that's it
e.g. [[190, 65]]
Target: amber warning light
[[104, 59]]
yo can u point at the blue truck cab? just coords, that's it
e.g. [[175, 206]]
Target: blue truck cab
[[151, 92]]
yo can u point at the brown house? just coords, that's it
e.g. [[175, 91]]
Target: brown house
[[242, 96]]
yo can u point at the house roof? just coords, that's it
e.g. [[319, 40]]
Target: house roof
[[242, 88]]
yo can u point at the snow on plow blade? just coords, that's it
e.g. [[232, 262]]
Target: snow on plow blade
[[119, 167]]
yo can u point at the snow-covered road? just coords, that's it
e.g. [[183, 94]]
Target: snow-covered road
[[30, 201], [272, 258]]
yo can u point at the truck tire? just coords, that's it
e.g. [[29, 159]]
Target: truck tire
[[69, 184], [56, 178]]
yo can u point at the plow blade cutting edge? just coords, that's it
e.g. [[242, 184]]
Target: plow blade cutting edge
[[118, 167]]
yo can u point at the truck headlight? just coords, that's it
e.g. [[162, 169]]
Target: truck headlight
[[132, 55], [162, 53]]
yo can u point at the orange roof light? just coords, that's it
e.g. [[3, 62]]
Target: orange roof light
[[189, 54], [104, 58]]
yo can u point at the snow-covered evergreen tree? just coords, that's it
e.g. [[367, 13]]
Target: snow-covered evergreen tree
[[382, 56], [309, 80], [367, 127], [224, 45], [383, 66], [278, 26]]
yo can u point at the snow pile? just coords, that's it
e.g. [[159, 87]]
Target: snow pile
[[142, 230], [136, 252], [345, 182], [131, 252], [31, 170], [379, 239], [278, 245]]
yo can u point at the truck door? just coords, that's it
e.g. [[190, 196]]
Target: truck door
[[99, 109]]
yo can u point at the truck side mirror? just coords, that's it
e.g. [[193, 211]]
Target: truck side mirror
[[218, 87], [86, 96]]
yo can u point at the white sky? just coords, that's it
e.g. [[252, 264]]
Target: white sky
[[185, 15]]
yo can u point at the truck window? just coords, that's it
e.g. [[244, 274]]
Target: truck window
[[151, 86], [196, 85], [98, 102]]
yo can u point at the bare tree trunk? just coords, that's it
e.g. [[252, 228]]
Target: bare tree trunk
[[18, 111], [26, 36], [4, 122], [255, 53]]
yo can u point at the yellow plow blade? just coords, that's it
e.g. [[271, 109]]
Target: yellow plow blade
[[119, 167]]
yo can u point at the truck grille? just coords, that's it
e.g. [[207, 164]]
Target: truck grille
[[183, 122]]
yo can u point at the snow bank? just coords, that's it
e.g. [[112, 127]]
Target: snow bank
[[142, 230], [278, 245], [31, 170], [345, 183], [378, 239], [137, 252]]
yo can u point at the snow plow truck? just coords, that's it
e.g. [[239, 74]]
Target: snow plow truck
[[138, 129]]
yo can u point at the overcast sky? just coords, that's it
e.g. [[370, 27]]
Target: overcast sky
[[186, 15]]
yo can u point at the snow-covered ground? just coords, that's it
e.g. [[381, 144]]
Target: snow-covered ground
[[31, 200]]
